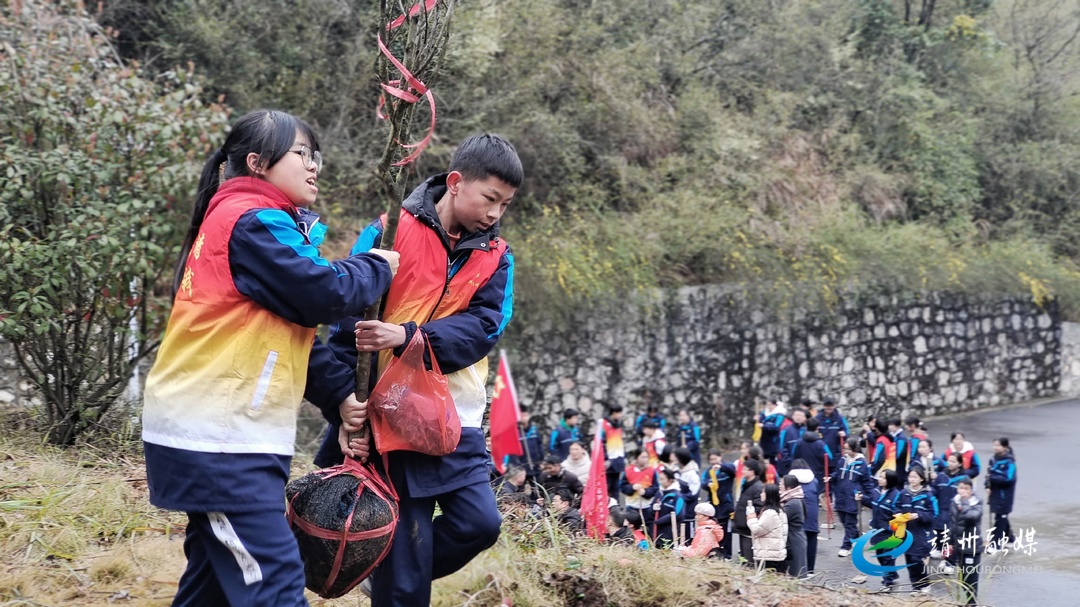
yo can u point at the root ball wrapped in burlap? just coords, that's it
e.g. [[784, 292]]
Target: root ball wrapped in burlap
[[344, 519]]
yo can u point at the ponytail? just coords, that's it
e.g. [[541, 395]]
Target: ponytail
[[266, 133], [209, 181]]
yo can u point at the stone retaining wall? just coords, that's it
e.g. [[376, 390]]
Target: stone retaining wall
[[700, 348]]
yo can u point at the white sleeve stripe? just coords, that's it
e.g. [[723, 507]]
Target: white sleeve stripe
[[224, 532]]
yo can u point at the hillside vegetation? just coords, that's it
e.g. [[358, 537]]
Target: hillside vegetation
[[797, 151], [804, 148]]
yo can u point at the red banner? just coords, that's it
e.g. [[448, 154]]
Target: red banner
[[504, 417], [594, 502]]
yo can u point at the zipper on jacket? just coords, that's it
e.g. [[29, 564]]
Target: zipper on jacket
[[445, 290], [450, 273]]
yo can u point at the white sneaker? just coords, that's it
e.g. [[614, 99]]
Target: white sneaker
[[948, 570], [843, 552], [828, 525], [935, 554]]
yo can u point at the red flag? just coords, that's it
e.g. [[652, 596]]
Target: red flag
[[504, 416], [594, 502]]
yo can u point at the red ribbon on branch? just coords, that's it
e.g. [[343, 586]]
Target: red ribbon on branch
[[409, 88]]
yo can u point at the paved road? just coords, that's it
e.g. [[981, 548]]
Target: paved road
[[1046, 442]]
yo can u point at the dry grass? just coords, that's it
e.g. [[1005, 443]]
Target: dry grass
[[76, 529]]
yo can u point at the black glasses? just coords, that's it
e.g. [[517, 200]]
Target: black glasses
[[309, 157]]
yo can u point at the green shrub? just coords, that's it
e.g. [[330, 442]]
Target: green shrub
[[97, 168]]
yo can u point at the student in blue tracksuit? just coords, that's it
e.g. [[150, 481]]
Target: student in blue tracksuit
[[1001, 488], [532, 447], [772, 420], [944, 484], [790, 436], [851, 483], [832, 426], [652, 413], [688, 435], [718, 481], [885, 504], [669, 508], [564, 434], [815, 453], [919, 500]]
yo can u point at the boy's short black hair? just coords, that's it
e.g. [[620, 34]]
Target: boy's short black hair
[[553, 459], [633, 516], [650, 423], [716, 452], [911, 420], [617, 516], [812, 424], [753, 464], [614, 408], [486, 155], [564, 495]]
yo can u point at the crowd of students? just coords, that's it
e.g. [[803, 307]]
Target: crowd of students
[[805, 460]]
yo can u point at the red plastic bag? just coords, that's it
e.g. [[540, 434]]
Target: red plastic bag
[[411, 408]]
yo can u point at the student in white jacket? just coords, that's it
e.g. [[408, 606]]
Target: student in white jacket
[[768, 529]]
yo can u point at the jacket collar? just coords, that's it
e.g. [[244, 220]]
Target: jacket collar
[[251, 186]]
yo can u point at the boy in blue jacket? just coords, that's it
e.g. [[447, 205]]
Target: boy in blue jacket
[[773, 420], [832, 426], [790, 436], [718, 482], [532, 447], [564, 434], [814, 452], [1001, 489], [456, 288], [688, 435], [652, 413]]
